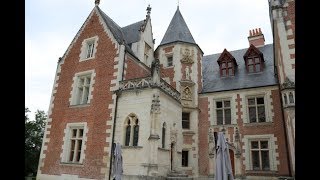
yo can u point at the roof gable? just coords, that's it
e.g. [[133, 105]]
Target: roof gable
[[225, 56], [252, 50], [177, 30]]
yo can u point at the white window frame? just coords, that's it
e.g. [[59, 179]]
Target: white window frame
[[66, 147], [214, 108], [169, 56], [90, 74], [256, 106], [273, 154], [259, 149], [85, 48], [223, 113]]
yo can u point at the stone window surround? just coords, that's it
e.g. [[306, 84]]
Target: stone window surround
[[167, 55], [84, 48], [266, 106], [73, 93], [287, 92], [132, 117], [272, 150], [66, 142]]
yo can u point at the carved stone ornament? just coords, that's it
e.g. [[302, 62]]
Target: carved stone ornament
[[187, 56], [155, 106], [186, 94], [173, 134], [287, 84]]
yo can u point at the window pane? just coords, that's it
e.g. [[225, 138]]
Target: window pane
[[226, 103], [73, 142], [223, 65], [260, 100], [265, 160], [254, 145], [230, 72], [251, 69], [185, 124], [250, 61], [255, 160], [291, 98], [219, 117], [258, 68], [163, 136], [229, 64], [74, 133], [78, 156], [251, 101], [185, 116], [256, 60], [227, 114], [252, 114], [219, 104], [285, 99], [169, 59], [264, 144], [80, 132], [224, 72], [71, 156], [127, 135], [135, 135], [79, 145], [261, 114]]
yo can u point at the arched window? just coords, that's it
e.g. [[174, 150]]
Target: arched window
[[291, 101], [285, 99], [136, 133], [131, 129], [163, 134]]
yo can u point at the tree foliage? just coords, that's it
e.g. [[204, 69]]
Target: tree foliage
[[34, 130]]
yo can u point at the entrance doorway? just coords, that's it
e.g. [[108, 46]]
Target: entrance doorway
[[232, 160]]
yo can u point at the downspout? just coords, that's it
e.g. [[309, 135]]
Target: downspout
[[281, 103], [115, 118]]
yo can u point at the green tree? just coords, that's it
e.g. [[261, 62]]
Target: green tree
[[34, 130]]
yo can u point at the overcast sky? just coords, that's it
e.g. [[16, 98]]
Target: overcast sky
[[52, 24]]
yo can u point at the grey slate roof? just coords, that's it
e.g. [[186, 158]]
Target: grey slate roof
[[177, 30], [131, 32], [212, 82]]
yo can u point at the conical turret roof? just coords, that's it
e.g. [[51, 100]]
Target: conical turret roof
[[177, 31]]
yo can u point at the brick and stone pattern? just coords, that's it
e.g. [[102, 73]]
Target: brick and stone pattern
[[203, 136], [96, 114]]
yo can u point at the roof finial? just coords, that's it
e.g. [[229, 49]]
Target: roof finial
[[148, 10], [178, 4], [96, 2]]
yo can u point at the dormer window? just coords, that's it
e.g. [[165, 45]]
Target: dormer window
[[253, 59], [227, 64]]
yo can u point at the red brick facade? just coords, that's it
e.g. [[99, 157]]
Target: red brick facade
[[203, 130], [135, 69], [96, 114]]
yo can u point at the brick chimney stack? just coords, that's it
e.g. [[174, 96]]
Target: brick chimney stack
[[256, 37]]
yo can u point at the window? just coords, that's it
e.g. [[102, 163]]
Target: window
[[184, 158], [223, 111], [82, 89], [169, 61], [254, 64], [89, 48], [74, 143], [226, 69], [146, 52], [185, 120], [256, 109], [163, 135], [260, 155], [131, 131]]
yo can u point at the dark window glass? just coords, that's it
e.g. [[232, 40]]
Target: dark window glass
[[128, 130], [264, 144], [254, 145], [219, 104], [226, 103], [227, 114], [135, 135], [260, 100], [265, 160], [163, 136], [252, 114], [291, 98], [219, 117], [255, 160], [251, 101], [185, 158], [185, 120], [261, 114], [285, 99], [170, 61]]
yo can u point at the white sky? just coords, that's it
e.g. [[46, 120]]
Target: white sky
[[52, 24]]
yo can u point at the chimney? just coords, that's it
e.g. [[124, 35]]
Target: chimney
[[256, 37]]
